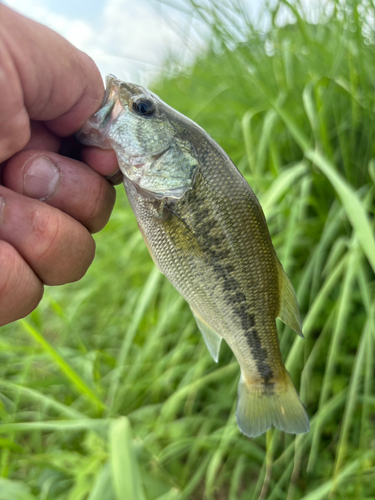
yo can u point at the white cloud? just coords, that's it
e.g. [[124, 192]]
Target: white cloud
[[77, 32], [144, 37], [132, 39]]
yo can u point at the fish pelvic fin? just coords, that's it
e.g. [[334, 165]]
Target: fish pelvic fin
[[211, 338], [289, 309], [260, 406]]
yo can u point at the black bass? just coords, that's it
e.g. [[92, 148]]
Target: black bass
[[206, 231]]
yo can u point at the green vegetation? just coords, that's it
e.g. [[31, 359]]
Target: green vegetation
[[108, 391]]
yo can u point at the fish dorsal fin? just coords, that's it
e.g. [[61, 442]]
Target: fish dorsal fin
[[289, 310], [211, 338]]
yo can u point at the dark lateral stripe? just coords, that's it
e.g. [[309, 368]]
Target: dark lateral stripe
[[259, 353], [216, 248]]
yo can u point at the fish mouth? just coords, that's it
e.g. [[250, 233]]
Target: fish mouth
[[116, 98], [91, 134]]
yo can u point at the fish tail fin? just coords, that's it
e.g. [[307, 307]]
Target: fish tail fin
[[261, 406]]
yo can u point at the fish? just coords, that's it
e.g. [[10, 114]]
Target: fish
[[206, 232]]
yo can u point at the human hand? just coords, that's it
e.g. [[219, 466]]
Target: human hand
[[49, 203]]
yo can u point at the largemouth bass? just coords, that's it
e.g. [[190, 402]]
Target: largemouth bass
[[207, 233]]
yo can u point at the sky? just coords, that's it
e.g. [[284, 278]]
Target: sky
[[128, 38], [132, 38]]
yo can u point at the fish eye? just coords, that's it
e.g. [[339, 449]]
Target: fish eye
[[144, 107]]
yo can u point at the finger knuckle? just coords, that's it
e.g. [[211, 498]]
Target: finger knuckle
[[101, 200], [63, 248], [95, 200], [85, 258], [7, 266], [16, 135], [46, 227], [20, 289]]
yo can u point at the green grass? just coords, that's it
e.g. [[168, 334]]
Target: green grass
[[107, 390]]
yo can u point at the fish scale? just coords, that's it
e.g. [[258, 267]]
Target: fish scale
[[206, 231]]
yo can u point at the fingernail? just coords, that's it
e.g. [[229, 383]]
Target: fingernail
[[2, 208], [41, 179], [115, 178]]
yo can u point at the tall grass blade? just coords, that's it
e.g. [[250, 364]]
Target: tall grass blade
[[322, 492], [124, 464], [313, 314], [343, 310], [280, 187], [88, 424], [68, 371], [351, 401], [149, 289], [14, 490], [45, 400], [351, 203], [103, 488], [354, 209]]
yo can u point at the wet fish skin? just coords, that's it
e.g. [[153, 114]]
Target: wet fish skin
[[207, 233]]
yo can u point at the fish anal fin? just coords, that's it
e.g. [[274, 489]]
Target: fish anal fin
[[289, 309], [211, 338], [259, 407]]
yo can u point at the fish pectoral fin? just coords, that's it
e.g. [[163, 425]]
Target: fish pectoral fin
[[259, 407], [211, 338], [289, 310], [182, 235]]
